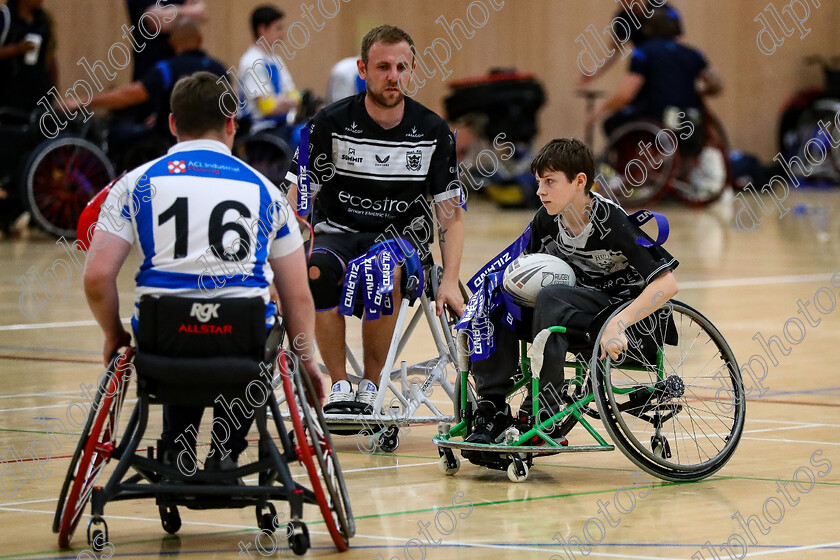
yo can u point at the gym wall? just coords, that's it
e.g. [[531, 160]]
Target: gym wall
[[533, 35]]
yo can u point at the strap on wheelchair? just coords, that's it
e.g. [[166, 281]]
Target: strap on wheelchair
[[373, 273], [642, 217]]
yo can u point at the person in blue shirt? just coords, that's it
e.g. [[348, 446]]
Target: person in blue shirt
[[662, 73]]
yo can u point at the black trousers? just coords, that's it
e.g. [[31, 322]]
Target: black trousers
[[570, 307], [181, 425]]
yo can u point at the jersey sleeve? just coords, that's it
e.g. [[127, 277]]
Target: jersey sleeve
[[116, 212], [649, 262], [639, 63], [157, 80], [442, 179], [287, 236]]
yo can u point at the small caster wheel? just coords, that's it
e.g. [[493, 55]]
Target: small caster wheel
[[298, 537], [170, 519], [389, 439], [97, 534], [517, 470], [444, 428], [266, 520], [449, 463]]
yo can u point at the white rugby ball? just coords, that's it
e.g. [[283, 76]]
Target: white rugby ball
[[528, 274]]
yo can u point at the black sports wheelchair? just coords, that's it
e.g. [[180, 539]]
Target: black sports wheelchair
[[180, 360]]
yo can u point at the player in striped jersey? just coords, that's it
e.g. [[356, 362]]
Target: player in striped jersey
[[206, 225]]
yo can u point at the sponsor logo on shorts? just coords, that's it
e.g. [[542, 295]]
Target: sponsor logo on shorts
[[206, 329]]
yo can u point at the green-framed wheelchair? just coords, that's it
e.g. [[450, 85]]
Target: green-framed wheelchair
[[673, 402]]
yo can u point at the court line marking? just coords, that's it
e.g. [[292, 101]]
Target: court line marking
[[808, 547], [48, 394], [792, 441], [729, 282], [54, 325], [756, 281]]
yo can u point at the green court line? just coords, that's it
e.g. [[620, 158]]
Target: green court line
[[782, 480]]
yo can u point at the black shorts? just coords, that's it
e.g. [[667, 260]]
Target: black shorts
[[345, 247]]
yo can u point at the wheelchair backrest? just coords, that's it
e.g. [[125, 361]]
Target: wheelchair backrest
[[180, 327]]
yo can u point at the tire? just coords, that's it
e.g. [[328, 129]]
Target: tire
[[686, 186], [310, 429], [59, 179], [266, 153], [623, 148], [698, 400], [94, 449]]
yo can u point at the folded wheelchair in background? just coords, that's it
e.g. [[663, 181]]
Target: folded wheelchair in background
[[192, 352]]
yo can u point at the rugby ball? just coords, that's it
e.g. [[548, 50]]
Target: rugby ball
[[528, 274]]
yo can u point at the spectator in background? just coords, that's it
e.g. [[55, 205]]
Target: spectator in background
[[662, 74], [27, 54], [344, 80], [633, 18], [166, 12], [155, 87], [271, 107]]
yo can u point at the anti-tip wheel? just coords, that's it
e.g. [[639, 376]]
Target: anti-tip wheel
[[517, 471], [170, 519], [449, 465], [389, 440], [298, 537]]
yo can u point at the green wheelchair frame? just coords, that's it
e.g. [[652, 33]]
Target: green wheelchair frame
[[589, 385]]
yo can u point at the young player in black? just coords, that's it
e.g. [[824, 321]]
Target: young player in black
[[374, 161], [599, 241]]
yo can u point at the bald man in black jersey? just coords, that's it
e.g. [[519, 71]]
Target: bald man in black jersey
[[375, 160]]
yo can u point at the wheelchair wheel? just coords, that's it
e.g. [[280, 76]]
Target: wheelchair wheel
[[629, 179], [674, 401], [705, 180], [94, 449], [266, 153], [60, 178], [313, 439]]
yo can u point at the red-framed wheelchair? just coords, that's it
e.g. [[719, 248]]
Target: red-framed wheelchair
[[691, 162], [195, 380]]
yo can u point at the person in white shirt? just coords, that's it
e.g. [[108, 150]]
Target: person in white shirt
[[272, 99]]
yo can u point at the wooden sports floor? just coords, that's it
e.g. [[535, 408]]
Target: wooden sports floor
[[783, 481]]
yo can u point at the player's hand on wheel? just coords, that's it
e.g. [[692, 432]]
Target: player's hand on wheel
[[613, 340], [449, 294], [114, 343]]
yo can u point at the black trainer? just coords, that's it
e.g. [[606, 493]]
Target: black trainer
[[489, 423], [525, 421]]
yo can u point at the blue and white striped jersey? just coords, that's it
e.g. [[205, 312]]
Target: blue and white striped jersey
[[205, 223]]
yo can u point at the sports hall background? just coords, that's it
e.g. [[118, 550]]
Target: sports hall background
[[532, 35]]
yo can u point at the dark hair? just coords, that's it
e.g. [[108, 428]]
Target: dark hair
[[387, 34], [195, 104], [663, 23], [264, 15], [569, 155]]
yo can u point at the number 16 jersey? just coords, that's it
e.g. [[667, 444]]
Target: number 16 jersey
[[205, 223]]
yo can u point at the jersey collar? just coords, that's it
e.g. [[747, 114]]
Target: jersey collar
[[203, 144]]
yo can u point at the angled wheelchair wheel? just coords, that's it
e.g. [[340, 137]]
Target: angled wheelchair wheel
[[705, 178], [60, 178], [626, 175], [266, 153], [99, 439], [315, 450], [674, 401]]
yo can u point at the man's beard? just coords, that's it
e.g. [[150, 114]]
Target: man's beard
[[381, 100]]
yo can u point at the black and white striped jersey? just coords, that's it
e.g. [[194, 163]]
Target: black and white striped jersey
[[368, 179], [605, 256]]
